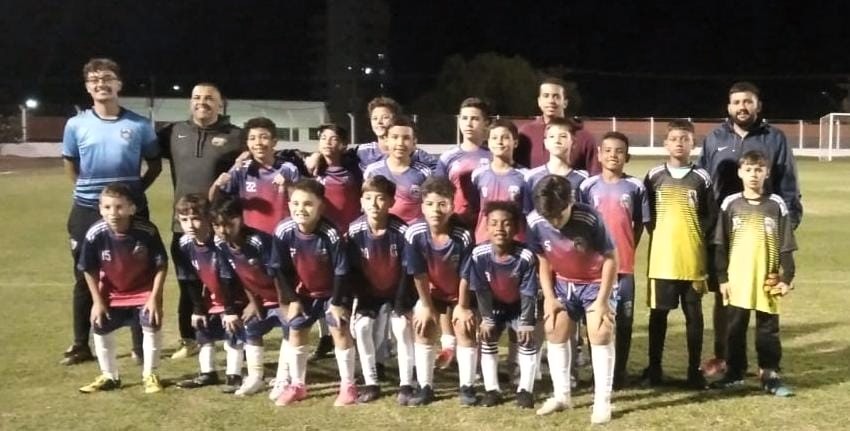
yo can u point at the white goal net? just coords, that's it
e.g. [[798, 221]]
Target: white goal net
[[834, 136]]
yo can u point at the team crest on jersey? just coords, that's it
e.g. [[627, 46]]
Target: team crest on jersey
[[252, 262], [513, 192], [195, 264], [736, 223], [365, 252], [483, 162], [580, 244], [769, 225], [415, 193], [140, 250], [454, 259], [218, 141], [626, 202], [126, 134], [692, 198]]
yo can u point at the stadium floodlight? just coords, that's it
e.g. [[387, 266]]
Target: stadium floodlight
[[31, 103]]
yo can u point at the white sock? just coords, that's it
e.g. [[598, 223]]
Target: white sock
[[364, 329], [403, 333], [345, 364], [490, 366], [206, 357], [424, 357], [104, 348], [283, 362], [323, 328], [151, 347], [466, 365], [448, 341], [559, 369], [254, 361], [602, 358], [233, 361], [298, 364], [527, 368]]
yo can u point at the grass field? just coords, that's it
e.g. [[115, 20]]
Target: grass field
[[37, 393]]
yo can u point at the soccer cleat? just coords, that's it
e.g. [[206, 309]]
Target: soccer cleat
[[601, 414], [467, 396], [696, 380], [152, 384], [728, 383], [491, 398], [250, 386], [368, 394], [524, 399], [445, 358], [651, 377], [278, 386], [423, 397], [324, 349], [101, 383], [188, 348], [713, 367], [347, 395], [76, 354], [292, 394], [553, 405], [405, 394], [232, 382], [772, 384], [201, 380]]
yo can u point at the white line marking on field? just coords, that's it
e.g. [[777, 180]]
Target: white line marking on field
[[6, 172]]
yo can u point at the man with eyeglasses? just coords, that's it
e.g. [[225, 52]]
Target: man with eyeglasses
[[100, 146]]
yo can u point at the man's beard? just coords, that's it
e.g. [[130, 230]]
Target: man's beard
[[744, 124]]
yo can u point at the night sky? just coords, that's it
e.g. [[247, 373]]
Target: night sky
[[627, 58]]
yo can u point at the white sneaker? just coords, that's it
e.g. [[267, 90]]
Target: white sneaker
[[553, 405], [278, 387], [250, 386], [601, 413]]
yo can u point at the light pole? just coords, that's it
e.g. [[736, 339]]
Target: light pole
[[29, 104]]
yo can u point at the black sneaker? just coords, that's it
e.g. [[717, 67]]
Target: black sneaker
[[491, 398], [405, 394], [368, 394], [467, 396], [696, 380], [772, 384], [76, 354], [232, 382], [524, 399], [651, 377], [423, 397], [324, 349], [199, 381], [728, 382]]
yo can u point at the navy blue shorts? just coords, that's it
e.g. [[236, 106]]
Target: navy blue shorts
[[213, 330], [314, 309], [257, 328], [123, 316], [578, 297]]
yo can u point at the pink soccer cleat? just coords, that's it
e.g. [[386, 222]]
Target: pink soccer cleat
[[347, 395], [292, 394]]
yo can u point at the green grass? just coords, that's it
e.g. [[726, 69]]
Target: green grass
[[36, 393]]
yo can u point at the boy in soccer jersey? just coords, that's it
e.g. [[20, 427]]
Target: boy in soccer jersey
[[682, 207], [124, 264], [437, 252], [755, 267], [340, 175], [458, 163], [264, 199], [572, 244], [622, 202], [375, 252], [247, 252], [501, 179], [309, 262], [216, 303], [503, 275], [558, 141], [399, 168]]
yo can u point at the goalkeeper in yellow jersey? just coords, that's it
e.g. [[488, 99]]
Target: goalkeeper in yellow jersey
[[755, 268]]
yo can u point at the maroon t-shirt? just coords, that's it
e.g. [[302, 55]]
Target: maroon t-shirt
[[532, 153]]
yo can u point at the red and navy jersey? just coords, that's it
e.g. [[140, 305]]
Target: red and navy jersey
[[342, 193], [377, 259], [370, 153], [533, 176], [126, 263], [250, 264], [576, 250], [623, 205], [313, 258], [508, 278], [457, 165], [442, 263], [264, 204], [408, 198], [491, 186], [205, 263]]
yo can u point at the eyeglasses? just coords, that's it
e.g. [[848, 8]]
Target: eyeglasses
[[103, 79]]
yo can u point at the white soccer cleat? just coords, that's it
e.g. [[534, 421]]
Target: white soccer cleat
[[278, 386], [601, 414], [553, 405], [250, 386]]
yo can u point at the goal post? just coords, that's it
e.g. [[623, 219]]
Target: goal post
[[831, 129]]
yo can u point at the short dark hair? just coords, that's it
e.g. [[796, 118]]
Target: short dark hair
[[566, 123], [379, 184], [118, 190], [680, 124], [384, 102], [552, 195], [478, 103], [507, 124], [341, 132], [554, 80], [441, 186], [310, 185], [402, 121], [742, 86], [192, 203], [753, 157], [209, 84], [225, 208], [615, 135], [507, 206], [259, 123], [101, 64]]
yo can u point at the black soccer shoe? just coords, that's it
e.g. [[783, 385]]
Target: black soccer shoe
[[525, 399], [405, 394], [76, 354], [491, 399], [423, 397], [199, 381], [467, 396], [232, 382], [368, 394]]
